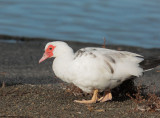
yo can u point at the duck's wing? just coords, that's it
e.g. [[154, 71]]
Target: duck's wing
[[112, 56], [118, 63]]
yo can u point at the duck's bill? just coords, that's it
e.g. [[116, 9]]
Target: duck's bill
[[44, 57]]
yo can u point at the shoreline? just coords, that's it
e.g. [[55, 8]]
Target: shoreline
[[25, 38]]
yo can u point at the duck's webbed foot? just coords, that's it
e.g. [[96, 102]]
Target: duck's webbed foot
[[93, 100], [106, 97]]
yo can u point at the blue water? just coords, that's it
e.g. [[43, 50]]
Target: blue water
[[127, 22]]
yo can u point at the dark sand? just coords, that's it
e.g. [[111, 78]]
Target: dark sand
[[31, 89]]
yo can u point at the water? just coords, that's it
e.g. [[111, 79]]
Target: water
[[127, 22]]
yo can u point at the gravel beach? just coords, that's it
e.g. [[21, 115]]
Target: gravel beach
[[31, 90]]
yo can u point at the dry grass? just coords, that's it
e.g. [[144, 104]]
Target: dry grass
[[147, 103], [72, 89]]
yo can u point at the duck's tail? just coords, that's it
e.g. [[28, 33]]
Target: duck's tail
[[150, 63]]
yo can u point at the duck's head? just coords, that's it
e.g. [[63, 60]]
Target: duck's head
[[55, 49]]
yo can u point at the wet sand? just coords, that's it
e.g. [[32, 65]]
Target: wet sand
[[32, 90]]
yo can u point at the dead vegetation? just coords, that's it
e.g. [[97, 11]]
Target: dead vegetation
[[146, 103], [72, 89]]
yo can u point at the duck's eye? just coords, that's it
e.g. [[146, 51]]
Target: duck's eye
[[50, 48]]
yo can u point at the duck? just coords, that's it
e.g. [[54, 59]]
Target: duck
[[93, 69]]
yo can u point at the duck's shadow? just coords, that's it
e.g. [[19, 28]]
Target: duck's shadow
[[126, 90]]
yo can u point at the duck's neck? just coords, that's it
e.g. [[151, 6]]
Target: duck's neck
[[66, 54], [62, 64]]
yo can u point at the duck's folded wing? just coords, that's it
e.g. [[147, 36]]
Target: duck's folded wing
[[118, 63], [110, 55]]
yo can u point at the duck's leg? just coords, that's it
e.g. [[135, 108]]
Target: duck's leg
[[107, 96], [93, 100]]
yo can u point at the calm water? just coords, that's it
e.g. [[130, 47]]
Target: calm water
[[127, 22]]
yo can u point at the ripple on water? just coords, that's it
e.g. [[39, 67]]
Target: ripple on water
[[124, 22]]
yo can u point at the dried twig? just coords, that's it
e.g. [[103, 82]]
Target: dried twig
[[3, 83], [3, 73], [104, 43]]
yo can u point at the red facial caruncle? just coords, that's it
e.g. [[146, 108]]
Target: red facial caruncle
[[48, 53]]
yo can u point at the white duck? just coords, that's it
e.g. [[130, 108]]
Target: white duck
[[93, 69]]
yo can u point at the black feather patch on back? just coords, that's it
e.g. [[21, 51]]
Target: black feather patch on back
[[150, 63]]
